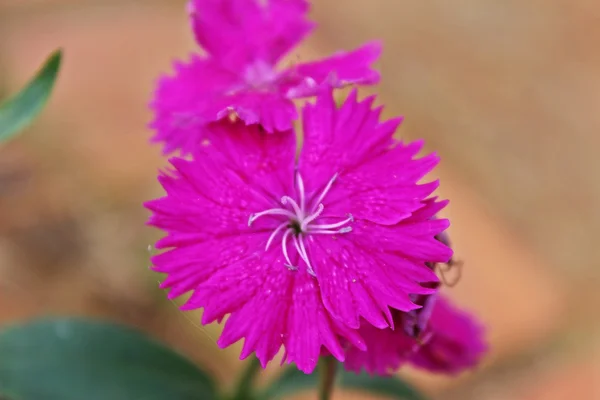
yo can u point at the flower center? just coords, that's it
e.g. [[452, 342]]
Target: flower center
[[260, 75], [300, 221]]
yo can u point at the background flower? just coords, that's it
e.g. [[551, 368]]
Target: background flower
[[244, 40], [452, 342], [455, 342]]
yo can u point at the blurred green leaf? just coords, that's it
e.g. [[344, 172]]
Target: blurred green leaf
[[75, 359], [392, 387], [20, 111], [292, 381], [244, 388]]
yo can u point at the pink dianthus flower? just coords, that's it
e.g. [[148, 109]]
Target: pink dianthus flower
[[452, 342], [244, 40], [298, 253]]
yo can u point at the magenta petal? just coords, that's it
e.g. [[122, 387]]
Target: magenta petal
[[189, 266], [456, 341], [355, 283], [383, 190], [376, 177], [337, 140], [410, 240], [429, 211], [341, 69], [272, 307], [386, 351], [385, 204], [201, 93], [271, 110], [244, 40], [184, 103], [452, 342], [209, 199], [261, 159], [237, 32]]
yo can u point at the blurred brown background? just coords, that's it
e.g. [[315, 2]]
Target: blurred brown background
[[506, 91]]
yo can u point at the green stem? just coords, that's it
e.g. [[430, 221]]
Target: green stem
[[327, 371], [244, 385]]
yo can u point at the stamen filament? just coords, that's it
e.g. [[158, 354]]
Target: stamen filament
[[272, 211], [311, 218], [301, 190], [284, 250], [346, 229], [336, 225], [304, 256], [298, 249], [325, 191], [299, 212], [275, 232]]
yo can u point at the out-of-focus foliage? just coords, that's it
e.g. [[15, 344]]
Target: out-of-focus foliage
[[21, 110], [292, 381], [74, 359], [78, 358]]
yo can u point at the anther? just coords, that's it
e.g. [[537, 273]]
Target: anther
[[287, 199]]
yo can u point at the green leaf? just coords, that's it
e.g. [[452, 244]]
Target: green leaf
[[20, 111], [391, 387], [292, 381], [75, 359]]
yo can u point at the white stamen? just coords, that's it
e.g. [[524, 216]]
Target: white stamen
[[336, 225], [284, 250], [297, 223], [275, 232], [311, 218], [299, 212], [325, 191], [345, 229], [300, 190], [298, 249], [272, 211], [304, 256]]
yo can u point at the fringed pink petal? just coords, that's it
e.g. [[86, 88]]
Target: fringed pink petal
[[338, 70], [183, 104], [237, 32], [456, 341]]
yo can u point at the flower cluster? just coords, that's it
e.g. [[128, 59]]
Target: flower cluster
[[331, 252]]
